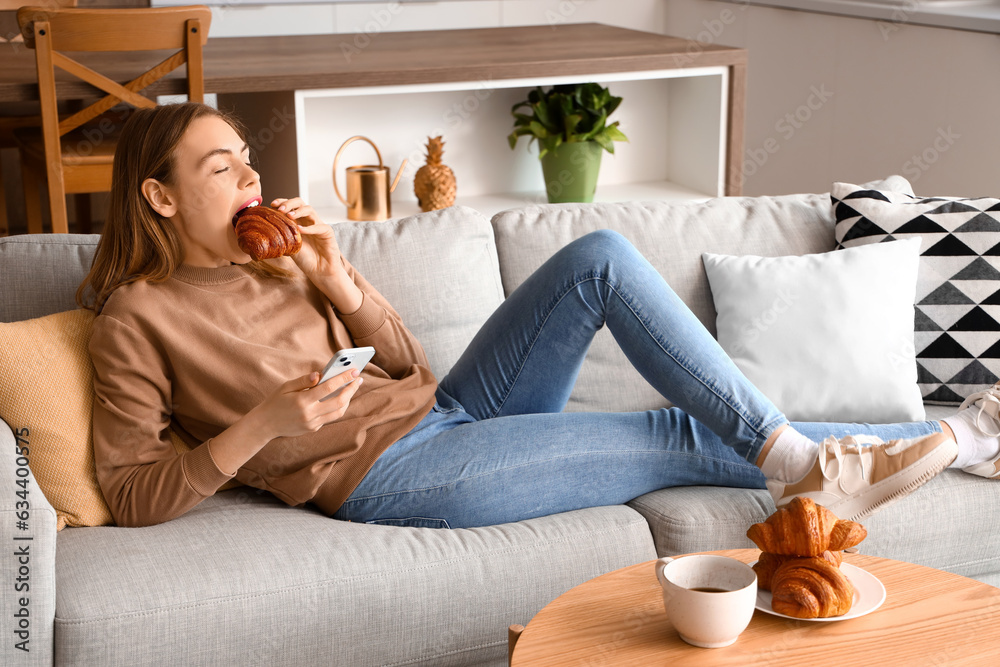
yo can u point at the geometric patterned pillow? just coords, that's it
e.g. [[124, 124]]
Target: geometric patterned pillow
[[957, 319]]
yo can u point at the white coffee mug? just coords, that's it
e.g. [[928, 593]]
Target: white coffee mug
[[708, 599]]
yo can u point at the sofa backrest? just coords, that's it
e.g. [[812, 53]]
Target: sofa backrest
[[442, 270], [672, 236], [439, 270], [39, 273]]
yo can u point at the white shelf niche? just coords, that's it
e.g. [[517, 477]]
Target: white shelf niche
[[675, 120]]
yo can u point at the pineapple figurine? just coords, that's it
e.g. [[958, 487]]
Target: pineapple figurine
[[434, 183]]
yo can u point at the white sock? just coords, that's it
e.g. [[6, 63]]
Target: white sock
[[790, 458], [974, 446]]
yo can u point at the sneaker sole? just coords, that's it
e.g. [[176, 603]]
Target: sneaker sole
[[894, 488]]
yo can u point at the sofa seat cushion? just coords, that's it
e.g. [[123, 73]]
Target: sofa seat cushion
[[950, 523], [939, 412], [245, 579]]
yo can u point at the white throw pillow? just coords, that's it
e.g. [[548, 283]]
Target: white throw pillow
[[827, 337]]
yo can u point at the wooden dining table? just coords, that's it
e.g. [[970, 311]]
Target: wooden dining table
[[299, 62]]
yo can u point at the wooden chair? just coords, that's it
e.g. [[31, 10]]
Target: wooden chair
[[75, 154], [25, 115]]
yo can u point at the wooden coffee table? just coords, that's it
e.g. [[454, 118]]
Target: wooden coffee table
[[930, 617]]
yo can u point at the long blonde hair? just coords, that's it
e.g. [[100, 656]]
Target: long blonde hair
[[137, 243]]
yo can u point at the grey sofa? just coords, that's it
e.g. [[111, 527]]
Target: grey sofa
[[243, 579]]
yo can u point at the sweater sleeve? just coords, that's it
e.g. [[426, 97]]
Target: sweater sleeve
[[144, 480], [377, 324]]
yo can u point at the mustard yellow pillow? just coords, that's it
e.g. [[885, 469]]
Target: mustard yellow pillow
[[47, 398]]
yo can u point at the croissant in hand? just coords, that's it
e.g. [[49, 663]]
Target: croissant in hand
[[265, 233], [811, 588], [803, 528]]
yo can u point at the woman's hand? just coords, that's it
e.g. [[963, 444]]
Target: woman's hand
[[295, 407], [319, 257]]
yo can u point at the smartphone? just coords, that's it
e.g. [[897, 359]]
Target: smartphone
[[343, 361]]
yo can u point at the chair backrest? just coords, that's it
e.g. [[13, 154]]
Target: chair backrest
[[50, 31]]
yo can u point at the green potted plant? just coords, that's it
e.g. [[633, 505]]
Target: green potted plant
[[569, 121]]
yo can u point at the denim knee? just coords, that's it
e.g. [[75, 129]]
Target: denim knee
[[606, 240], [602, 249]]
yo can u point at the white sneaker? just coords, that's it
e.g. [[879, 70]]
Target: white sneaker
[[853, 481], [988, 402]]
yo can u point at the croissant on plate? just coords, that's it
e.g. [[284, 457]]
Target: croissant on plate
[[811, 588], [768, 564], [265, 233], [803, 528]]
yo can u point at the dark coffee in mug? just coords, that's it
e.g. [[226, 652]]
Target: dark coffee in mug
[[709, 589]]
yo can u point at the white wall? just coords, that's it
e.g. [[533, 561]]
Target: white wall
[[833, 98], [235, 19]]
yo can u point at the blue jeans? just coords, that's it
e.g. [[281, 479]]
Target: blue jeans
[[498, 448]]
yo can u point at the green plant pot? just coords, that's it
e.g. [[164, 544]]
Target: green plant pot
[[571, 170]]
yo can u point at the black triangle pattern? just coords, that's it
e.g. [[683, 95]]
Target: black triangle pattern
[[992, 353], [865, 216], [946, 295], [923, 323], [954, 207], [867, 194], [984, 222], [974, 373], [944, 347], [976, 320], [980, 269], [861, 229], [920, 225], [991, 300], [844, 211], [950, 246], [944, 394], [924, 376]]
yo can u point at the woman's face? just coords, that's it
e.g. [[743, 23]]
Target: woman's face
[[212, 180]]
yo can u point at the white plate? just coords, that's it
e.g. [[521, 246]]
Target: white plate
[[869, 594]]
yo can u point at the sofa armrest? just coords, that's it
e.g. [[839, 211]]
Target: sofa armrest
[[27, 558]]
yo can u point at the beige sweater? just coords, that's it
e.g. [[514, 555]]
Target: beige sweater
[[199, 350]]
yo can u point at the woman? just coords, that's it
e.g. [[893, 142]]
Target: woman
[[194, 335]]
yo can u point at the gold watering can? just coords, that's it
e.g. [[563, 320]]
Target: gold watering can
[[368, 186]]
